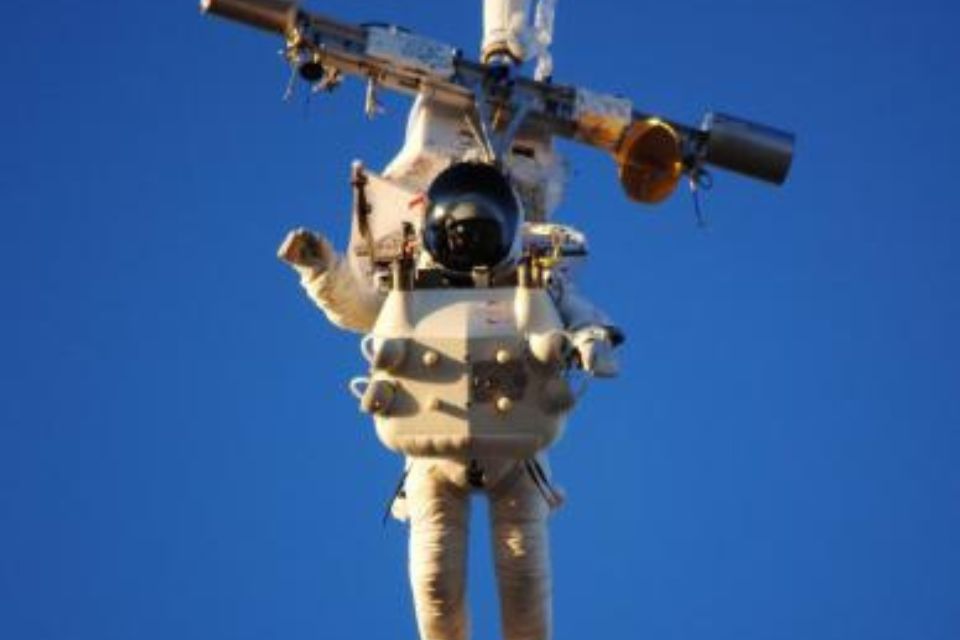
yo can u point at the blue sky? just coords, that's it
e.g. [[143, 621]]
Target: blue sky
[[179, 456]]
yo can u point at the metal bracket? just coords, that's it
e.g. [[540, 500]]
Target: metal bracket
[[481, 123], [506, 138]]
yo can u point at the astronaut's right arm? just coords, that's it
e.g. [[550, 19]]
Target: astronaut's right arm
[[347, 300], [593, 335]]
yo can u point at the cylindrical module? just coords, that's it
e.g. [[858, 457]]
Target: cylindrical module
[[748, 148], [277, 16]]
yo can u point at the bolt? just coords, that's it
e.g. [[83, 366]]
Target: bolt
[[430, 358]]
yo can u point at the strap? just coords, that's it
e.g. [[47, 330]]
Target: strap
[[540, 480], [398, 492]]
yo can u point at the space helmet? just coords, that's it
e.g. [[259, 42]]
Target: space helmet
[[472, 218]]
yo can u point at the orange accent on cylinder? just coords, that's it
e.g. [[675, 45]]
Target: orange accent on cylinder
[[649, 160]]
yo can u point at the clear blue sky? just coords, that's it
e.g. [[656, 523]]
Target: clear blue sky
[[179, 457]]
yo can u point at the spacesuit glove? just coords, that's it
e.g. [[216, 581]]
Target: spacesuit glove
[[304, 249], [595, 351]]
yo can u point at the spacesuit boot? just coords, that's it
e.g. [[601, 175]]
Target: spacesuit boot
[[438, 502]]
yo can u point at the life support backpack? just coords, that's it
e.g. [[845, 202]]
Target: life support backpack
[[467, 371]]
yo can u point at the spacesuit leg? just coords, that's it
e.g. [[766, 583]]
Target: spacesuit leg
[[439, 517], [518, 514]]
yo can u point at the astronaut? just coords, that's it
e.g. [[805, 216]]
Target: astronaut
[[436, 491], [463, 235]]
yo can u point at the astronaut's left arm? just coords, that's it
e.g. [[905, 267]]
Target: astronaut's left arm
[[593, 335]]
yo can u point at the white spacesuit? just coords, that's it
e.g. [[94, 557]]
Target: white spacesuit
[[435, 495]]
